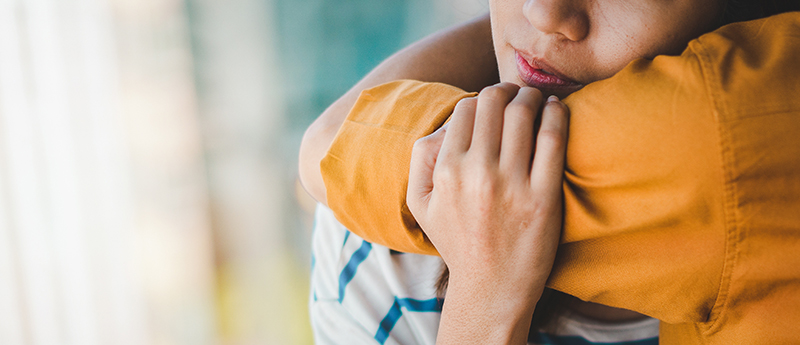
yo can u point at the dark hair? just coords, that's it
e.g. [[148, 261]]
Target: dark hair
[[743, 10]]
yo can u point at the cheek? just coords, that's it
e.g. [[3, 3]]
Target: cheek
[[621, 34], [507, 65], [656, 27], [644, 34], [502, 14]]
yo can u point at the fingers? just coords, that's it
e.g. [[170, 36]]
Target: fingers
[[492, 103], [458, 136], [551, 145], [518, 128], [420, 176]]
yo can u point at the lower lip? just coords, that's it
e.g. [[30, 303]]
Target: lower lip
[[537, 78]]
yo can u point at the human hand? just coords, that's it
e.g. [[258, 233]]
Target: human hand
[[491, 207]]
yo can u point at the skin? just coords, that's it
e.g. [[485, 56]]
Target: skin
[[461, 56], [464, 177], [494, 216], [584, 40], [508, 218], [587, 40]]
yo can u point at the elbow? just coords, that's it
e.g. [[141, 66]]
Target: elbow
[[313, 147]]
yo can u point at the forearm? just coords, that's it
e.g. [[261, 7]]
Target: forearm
[[461, 56]]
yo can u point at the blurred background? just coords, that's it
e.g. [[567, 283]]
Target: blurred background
[[148, 180]]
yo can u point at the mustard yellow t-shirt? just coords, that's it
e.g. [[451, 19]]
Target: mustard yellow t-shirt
[[682, 190]]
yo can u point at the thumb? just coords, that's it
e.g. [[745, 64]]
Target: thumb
[[420, 175]]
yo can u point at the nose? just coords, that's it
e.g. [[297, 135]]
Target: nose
[[567, 18]]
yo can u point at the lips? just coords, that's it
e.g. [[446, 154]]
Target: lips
[[537, 74]]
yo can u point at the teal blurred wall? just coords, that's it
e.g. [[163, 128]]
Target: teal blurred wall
[[326, 46], [148, 154], [264, 70]]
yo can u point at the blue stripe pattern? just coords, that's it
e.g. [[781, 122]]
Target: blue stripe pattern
[[349, 270], [313, 231], [396, 311], [549, 339], [346, 236]]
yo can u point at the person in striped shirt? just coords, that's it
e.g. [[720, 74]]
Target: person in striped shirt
[[645, 32]]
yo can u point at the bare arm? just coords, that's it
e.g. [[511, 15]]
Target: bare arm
[[461, 56]]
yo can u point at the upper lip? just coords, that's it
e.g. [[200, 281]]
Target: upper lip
[[539, 63]]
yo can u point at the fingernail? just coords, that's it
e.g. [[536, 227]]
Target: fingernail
[[552, 98]]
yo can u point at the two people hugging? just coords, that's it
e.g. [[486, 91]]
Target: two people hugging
[[677, 197]]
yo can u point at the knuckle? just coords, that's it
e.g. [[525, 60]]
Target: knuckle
[[519, 109], [552, 139], [465, 108], [532, 91], [484, 190], [468, 102], [483, 183], [494, 94], [421, 147], [422, 143], [531, 96], [557, 107], [510, 87], [540, 208], [444, 175]]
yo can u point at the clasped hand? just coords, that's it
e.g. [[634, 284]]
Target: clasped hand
[[487, 190]]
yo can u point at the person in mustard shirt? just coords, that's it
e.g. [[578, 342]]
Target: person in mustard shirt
[[681, 191]]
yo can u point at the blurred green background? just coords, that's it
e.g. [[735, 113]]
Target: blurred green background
[[148, 153]]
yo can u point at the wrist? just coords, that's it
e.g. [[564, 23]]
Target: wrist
[[511, 296], [478, 313], [520, 283]]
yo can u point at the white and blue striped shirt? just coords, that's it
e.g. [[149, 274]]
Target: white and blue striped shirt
[[364, 293]]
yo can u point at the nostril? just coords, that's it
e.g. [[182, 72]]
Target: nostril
[[576, 27], [560, 17]]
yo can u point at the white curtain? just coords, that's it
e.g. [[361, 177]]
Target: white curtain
[[146, 194], [89, 252], [65, 206]]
